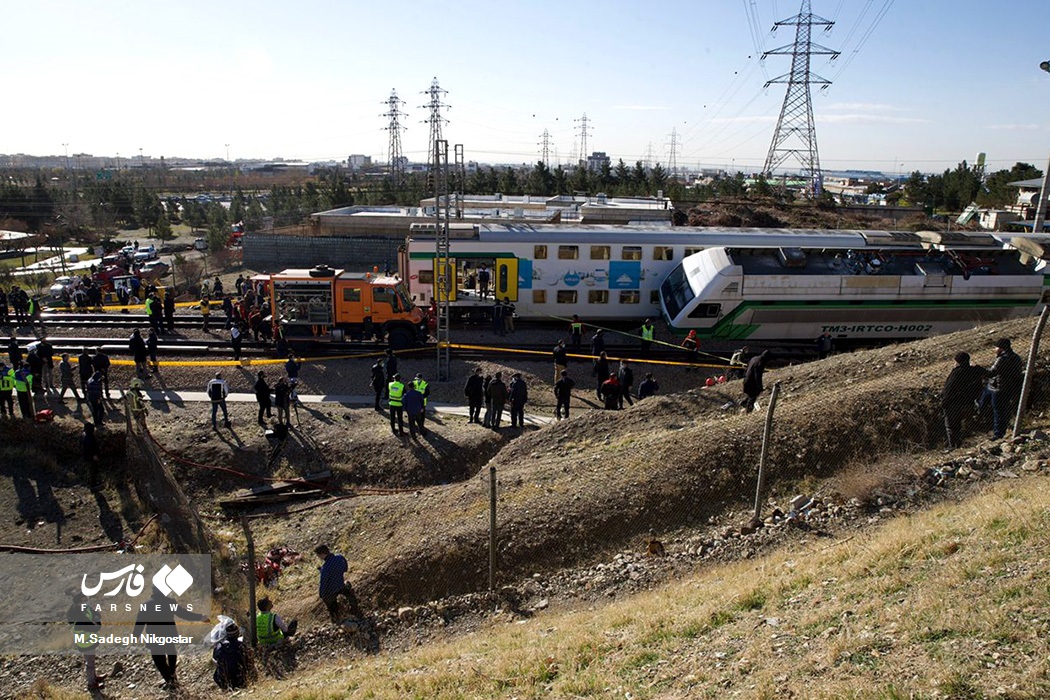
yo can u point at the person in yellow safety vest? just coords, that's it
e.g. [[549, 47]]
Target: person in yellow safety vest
[[7, 385], [396, 391], [647, 336], [205, 312], [270, 629], [24, 385], [136, 400], [421, 386], [86, 621], [577, 332]]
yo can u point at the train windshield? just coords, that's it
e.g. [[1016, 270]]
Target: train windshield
[[676, 292]]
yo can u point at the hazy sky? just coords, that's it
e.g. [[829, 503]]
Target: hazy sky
[[920, 84]]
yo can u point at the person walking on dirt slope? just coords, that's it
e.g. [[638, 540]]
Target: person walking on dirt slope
[[600, 372], [415, 407], [395, 403], [519, 395], [475, 393], [1006, 378], [561, 359], [609, 392], [756, 367], [961, 391], [331, 583], [218, 390], [563, 395]]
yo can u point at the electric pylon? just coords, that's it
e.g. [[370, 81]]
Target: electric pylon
[[435, 119], [796, 134], [584, 128], [545, 146], [394, 155], [672, 164]]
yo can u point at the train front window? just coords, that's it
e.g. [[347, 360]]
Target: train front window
[[676, 292]]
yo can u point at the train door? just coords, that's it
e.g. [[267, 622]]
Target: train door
[[505, 282], [453, 283]]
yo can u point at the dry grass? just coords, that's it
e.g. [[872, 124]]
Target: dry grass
[[947, 603]]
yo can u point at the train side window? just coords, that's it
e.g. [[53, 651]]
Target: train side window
[[426, 277], [654, 296], [691, 251], [631, 252], [663, 252], [539, 252], [502, 280], [566, 296], [568, 252], [600, 252], [598, 296], [539, 296], [630, 296], [352, 294], [706, 311]]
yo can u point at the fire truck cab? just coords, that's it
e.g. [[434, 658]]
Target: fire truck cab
[[335, 305]]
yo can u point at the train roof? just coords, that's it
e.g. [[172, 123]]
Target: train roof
[[870, 261]]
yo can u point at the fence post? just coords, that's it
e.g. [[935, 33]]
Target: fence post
[[1029, 370], [492, 528], [250, 622], [766, 432]]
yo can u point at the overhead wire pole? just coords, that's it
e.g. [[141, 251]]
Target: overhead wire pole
[[443, 281], [672, 164], [435, 119], [395, 156], [584, 128], [545, 148], [796, 133], [461, 179]]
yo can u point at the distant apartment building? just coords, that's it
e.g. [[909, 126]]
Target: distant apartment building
[[359, 162]]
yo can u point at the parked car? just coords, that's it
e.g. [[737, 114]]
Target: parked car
[[200, 244], [145, 253], [62, 284], [154, 269]]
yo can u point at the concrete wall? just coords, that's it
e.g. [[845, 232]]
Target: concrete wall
[[272, 253]]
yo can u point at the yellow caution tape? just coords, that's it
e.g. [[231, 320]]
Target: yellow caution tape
[[485, 348]]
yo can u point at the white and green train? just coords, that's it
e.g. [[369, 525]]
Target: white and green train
[[912, 289]]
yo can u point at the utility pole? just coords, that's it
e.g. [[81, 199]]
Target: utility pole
[[395, 158], [435, 119], [796, 134], [1040, 210], [584, 128], [443, 277], [545, 148]]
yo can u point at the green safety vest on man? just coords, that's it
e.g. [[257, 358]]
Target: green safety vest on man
[[577, 328], [396, 390], [7, 380], [266, 631], [421, 387], [24, 385], [647, 332]]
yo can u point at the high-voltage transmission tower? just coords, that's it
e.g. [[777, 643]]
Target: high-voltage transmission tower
[[796, 134], [584, 128], [545, 148], [672, 163], [443, 280], [435, 119], [396, 157]]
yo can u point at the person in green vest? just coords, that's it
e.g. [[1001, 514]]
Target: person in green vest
[[86, 621], [270, 629], [23, 385], [647, 336], [7, 385], [576, 330], [396, 392], [421, 386]]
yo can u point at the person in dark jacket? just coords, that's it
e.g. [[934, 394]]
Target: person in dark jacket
[[487, 423], [474, 390], [648, 387], [561, 360], [519, 396], [1006, 377], [169, 311], [262, 397], [100, 361], [609, 393], [497, 393], [282, 401], [85, 368], [152, 345], [137, 347], [36, 366], [229, 660], [332, 584], [625, 375], [93, 393], [46, 351], [497, 317], [157, 617], [14, 353], [378, 382], [756, 367], [91, 452], [391, 369], [600, 372], [415, 409], [598, 342], [563, 395], [961, 390]]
